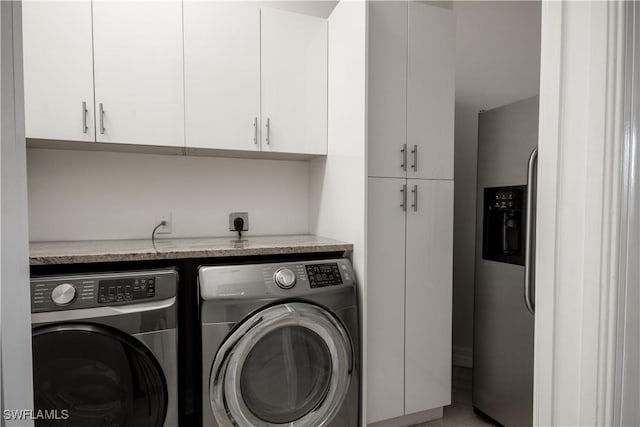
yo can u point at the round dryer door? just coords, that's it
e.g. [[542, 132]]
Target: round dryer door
[[101, 376], [287, 365]]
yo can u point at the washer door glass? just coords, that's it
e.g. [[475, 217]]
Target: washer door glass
[[289, 364], [101, 376]]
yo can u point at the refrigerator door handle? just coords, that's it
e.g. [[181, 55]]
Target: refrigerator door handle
[[529, 252]]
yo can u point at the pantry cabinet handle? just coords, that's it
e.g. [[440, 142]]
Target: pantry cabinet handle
[[404, 157], [268, 125], [414, 166], [403, 205], [85, 128], [255, 130], [415, 198], [102, 129]]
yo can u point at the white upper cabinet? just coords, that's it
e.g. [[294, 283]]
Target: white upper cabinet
[[58, 70], [222, 75], [387, 88], [294, 82], [218, 75], [429, 267], [411, 90], [138, 57], [430, 94]]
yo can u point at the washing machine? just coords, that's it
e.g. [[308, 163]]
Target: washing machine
[[280, 344], [105, 349]]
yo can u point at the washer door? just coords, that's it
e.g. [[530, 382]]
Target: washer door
[[101, 376], [287, 365]]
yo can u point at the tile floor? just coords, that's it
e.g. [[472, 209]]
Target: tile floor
[[460, 412]]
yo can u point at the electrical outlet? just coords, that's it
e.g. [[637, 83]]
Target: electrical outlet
[[168, 227], [245, 218]]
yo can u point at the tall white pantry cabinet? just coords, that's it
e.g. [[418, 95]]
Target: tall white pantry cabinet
[[410, 210]]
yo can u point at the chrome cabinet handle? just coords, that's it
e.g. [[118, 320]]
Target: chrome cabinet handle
[[268, 125], [403, 205], [415, 198], [529, 248], [404, 157], [85, 128], [414, 166], [102, 129], [255, 130]]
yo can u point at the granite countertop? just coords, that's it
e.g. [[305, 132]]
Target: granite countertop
[[74, 252]]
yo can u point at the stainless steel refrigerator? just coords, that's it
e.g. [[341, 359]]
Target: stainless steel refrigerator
[[504, 300]]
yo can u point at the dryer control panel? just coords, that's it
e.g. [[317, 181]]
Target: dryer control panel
[[326, 274], [287, 279], [70, 292]]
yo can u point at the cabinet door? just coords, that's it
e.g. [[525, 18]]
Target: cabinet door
[[430, 93], [428, 295], [294, 82], [385, 299], [138, 72], [222, 74], [387, 88], [58, 70]]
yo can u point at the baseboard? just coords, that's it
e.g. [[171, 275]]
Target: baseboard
[[462, 356], [411, 419]]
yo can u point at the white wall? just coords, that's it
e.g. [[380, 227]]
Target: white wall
[[464, 231], [16, 389], [86, 195], [337, 182], [497, 62]]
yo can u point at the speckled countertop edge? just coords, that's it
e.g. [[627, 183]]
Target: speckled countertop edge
[[77, 252]]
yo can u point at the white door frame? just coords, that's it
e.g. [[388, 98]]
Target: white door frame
[[580, 190], [626, 408], [17, 390]]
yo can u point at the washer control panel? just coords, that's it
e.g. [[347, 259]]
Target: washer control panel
[[72, 292], [126, 289]]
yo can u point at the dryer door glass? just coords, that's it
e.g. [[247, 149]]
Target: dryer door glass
[[97, 376], [286, 374], [289, 364]]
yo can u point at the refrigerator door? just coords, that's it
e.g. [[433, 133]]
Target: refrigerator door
[[503, 347], [503, 327]]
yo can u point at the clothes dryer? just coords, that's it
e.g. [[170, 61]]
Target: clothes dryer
[[280, 344]]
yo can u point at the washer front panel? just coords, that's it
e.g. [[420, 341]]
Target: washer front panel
[[98, 375], [328, 359]]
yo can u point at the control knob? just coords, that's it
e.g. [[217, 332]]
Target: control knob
[[285, 278], [63, 294]]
